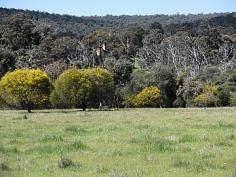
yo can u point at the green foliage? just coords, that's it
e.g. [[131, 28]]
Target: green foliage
[[207, 97], [7, 61], [102, 86], [223, 96], [25, 88], [164, 46], [187, 91], [82, 88], [165, 78], [149, 97], [72, 89], [233, 100], [209, 74], [121, 69], [141, 79], [19, 30]]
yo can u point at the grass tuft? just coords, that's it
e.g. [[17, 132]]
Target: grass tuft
[[225, 125], [65, 162], [115, 173], [187, 139], [8, 150], [3, 167], [76, 130], [77, 145], [50, 137]]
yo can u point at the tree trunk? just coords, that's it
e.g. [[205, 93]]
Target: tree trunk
[[29, 110], [84, 106]]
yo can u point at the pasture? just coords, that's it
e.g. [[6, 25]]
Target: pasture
[[122, 143]]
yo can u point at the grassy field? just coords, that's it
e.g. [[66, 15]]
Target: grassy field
[[121, 143]]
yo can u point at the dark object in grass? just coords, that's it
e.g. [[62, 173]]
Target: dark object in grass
[[65, 162], [25, 117], [3, 167]]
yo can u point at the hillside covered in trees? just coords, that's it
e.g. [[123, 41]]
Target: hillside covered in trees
[[190, 60]]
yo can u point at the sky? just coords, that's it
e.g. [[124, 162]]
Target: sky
[[122, 7]]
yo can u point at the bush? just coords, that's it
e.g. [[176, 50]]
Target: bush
[[65, 162], [102, 86], [223, 96], [82, 88], [25, 88], [2, 103], [3, 166], [233, 100], [141, 79], [207, 98], [165, 78], [148, 97], [72, 89]]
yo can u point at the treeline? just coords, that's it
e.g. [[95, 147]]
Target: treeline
[[184, 61]]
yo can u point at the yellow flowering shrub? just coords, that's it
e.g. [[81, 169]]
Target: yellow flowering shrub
[[25, 88], [148, 97], [81, 88], [71, 89], [207, 97], [102, 85]]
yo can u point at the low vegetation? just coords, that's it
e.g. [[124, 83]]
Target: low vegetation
[[132, 142]]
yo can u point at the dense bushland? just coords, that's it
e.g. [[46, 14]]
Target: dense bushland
[[183, 56]]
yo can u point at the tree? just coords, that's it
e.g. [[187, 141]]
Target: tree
[[7, 61], [25, 88], [20, 32], [121, 70], [140, 79], [165, 78], [55, 69], [148, 97], [156, 26]]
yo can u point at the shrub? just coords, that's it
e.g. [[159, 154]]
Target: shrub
[[102, 86], [223, 96], [165, 78], [82, 88], [233, 100], [3, 166], [65, 162], [141, 79], [2, 103], [148, 97], [25, 88], [207, 97], [72, 89]]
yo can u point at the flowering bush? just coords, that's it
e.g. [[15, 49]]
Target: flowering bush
[[82, 88], [207, 97], [148, 97], [25, 88]]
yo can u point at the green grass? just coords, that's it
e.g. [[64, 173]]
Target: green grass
[[121, 143]]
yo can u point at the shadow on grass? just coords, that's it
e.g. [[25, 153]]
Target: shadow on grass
[[63, 111]]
